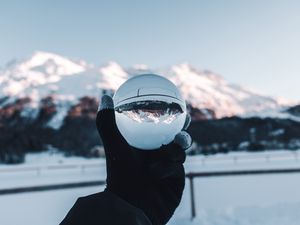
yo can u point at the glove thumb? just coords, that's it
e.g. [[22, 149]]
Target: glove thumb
[[183, 139]]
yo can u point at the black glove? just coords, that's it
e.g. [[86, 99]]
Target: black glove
[[150, 180]]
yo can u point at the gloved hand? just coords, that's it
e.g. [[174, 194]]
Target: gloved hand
[[152, 181]]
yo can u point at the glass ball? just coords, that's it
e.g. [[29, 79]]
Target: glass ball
[[149, 111]]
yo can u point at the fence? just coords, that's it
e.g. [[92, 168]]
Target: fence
[[232, 159], [39, 169], [261, 157], [190, 176], [50, 187]]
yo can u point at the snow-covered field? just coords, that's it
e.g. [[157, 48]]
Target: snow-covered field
[[239, 200]]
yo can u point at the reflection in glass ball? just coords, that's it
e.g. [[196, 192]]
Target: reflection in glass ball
[[149, 111]]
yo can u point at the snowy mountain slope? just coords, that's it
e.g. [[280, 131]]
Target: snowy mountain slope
[[204, 89], [48, 90], [39, 69], [45, 74]]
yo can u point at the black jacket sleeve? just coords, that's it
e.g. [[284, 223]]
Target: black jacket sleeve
[[75, 216], [104, 208]]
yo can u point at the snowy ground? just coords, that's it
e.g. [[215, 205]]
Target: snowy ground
[[239, 200]]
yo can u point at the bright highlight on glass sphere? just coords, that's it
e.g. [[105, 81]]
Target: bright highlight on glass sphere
[[149, 111]]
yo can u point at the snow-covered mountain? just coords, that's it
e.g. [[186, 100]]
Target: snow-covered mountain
[[205, 89], [44, 74], [48, 101]]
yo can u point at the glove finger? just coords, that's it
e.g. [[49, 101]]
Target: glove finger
[[106, 103], [105, 120], [183, 139], [120, 161], [113, 141]]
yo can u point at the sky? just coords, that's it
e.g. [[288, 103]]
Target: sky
[[252, 43]]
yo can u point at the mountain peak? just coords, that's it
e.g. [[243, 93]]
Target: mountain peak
[[44, 72], [44, 54], [113, 69], [38, 69], [189, 70], [112, 76], [53, 64]]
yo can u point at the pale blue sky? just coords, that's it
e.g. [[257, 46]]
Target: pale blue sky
[[253, 43]]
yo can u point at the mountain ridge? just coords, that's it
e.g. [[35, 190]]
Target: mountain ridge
[[47, 74], [48, 101]]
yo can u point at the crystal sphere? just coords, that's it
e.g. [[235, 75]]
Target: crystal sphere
[[149, 111]]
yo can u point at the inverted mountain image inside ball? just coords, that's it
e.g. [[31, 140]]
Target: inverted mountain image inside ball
[[149, 111]]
